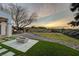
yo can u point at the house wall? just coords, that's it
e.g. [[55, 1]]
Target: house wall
[[8, 23], [9, 29], [3, 28]]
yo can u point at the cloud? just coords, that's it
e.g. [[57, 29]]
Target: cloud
[[59, 23]]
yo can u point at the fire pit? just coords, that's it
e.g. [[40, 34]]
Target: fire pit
[[22, 39]]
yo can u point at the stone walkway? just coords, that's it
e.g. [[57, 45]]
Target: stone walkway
[[5, 52], [9, 54]]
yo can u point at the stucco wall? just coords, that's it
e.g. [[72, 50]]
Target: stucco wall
[[3, 28]]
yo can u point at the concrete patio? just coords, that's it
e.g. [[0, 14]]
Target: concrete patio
[[23, 47]]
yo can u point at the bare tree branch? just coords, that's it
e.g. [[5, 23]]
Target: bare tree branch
[[19, 15]]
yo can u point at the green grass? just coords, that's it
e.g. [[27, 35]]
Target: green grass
[[44, 48], [61, 37]]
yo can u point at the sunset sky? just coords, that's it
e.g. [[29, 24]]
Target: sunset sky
[[50, 14]]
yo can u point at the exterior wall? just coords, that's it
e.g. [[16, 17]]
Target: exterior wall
[[3, 28], [7, 17], [9, 29], [6, 29]]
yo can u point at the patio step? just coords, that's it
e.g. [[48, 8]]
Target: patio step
[[9, 54], [3, 50]]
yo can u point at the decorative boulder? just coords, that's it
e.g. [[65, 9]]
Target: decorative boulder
[[22, 39]]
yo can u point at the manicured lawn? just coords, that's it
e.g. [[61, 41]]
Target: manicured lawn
[[43, 48], [61, 37]]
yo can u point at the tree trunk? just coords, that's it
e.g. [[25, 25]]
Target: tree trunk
[[24, 30], [17, 28]]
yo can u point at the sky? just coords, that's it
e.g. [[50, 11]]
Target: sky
[[50, 14]]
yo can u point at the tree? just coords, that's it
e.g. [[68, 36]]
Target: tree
[[72, 23], [75, 8], [19, 15], [31, 19]]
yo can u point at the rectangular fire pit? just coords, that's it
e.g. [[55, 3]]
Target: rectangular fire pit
[[19, 46]]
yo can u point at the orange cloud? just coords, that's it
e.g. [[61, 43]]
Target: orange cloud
[[58, 23]]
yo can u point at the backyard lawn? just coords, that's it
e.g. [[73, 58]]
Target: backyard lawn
[[44, 48], [61, 37]]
